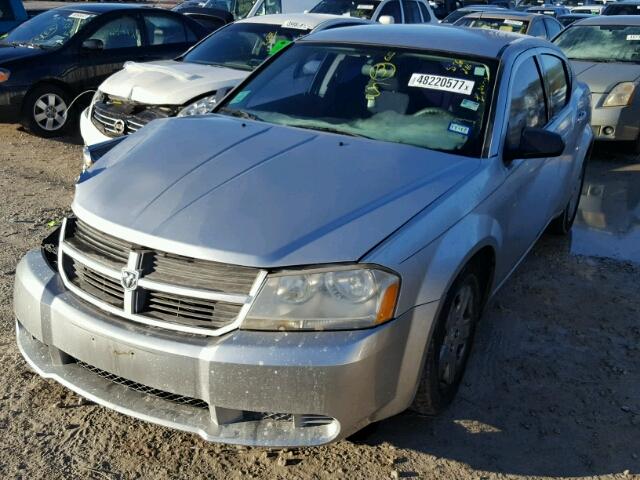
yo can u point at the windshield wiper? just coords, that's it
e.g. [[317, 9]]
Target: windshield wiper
[[330, 130], [239, 113]]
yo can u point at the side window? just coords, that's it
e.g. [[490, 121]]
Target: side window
[[163, 30], [553, 27], [426, 16], [556, 77], [411, 12], [119, 33], [392, 9], [527, 108], [537, 29], [268, 7], [6, 12]]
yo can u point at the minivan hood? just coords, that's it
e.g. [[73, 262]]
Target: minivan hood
[[257, 194], [602, 77], [169, 82]]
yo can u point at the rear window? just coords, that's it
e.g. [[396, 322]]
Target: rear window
[[621, 9], [502, 24]]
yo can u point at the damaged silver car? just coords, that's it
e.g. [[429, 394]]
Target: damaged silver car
[[314, 256]]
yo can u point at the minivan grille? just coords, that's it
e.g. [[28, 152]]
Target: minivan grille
[[115, 117], [171, 291]]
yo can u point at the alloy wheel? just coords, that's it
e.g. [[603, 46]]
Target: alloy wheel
[[50, 112], [457, 335]]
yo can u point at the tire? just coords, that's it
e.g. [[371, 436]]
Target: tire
[[448, 351], [561, 225], [46, 111]]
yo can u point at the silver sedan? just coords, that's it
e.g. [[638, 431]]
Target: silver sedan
[[314, 256], [605, 54]]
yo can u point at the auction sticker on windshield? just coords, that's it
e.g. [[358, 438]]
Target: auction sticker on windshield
[[81, 16], [296, 25], [633, 37], [438, 82], [508, 21]]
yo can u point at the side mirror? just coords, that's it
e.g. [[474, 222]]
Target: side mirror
[[386, 20], [92, 44], [536, 143]]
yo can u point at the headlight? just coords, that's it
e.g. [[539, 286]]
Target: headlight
[[333, 299], [97, 97], [4, 75], [620, 96], [200, 107]]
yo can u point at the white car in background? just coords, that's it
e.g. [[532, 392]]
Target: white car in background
[[385, 11], [191, 84]]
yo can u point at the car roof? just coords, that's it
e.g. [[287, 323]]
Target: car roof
[[612, 20], [99, 8], [480, 8], [507, 14], [311, 20], [546, 7], [456, 40]]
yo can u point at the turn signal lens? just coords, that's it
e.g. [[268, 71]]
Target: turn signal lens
[[4, 75]]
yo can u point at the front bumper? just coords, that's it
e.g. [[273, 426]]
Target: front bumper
[[90, 133], [254, 388], [11, 98], [614, 123]]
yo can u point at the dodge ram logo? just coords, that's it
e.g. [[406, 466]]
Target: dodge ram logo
[[119, 126], [129, 279]]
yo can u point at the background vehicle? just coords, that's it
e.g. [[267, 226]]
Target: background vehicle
[[54, 57], [627, 7], [192, 83], [322, 247], [551, 11], [605, 53], [523, 5], [461, 12], [209, 18], [514, 22], [12, 14], [590, 9], [393, 11], [271, 7], [567, 20]]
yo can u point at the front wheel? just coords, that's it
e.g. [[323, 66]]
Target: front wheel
[[46, 111], [450, 345]]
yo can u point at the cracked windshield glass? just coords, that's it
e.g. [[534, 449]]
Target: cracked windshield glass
[[402, 96]]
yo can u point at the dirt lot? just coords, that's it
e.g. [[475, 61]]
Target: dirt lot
[[552, 389]]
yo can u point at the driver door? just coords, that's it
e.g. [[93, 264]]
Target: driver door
[[530, 185]]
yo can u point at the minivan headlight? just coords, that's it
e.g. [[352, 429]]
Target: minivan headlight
[[200, 107], [340, 298], [620, 96]]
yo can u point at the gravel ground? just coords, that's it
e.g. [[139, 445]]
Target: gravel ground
[[551, 391]]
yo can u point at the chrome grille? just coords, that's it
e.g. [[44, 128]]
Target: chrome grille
[[170, 291], [134, 116]]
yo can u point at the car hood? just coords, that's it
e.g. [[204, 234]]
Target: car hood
[[257, 194], [9, 53], [169, 82], [602, 77]]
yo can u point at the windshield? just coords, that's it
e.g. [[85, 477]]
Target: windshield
[[388, 94], [621, 9], [244, 46], [601, 43], [502, 24], [361, 9], [49, 29]]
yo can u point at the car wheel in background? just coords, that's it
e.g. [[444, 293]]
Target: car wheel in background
[[46, 111], [450, 344], [561, 225]]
